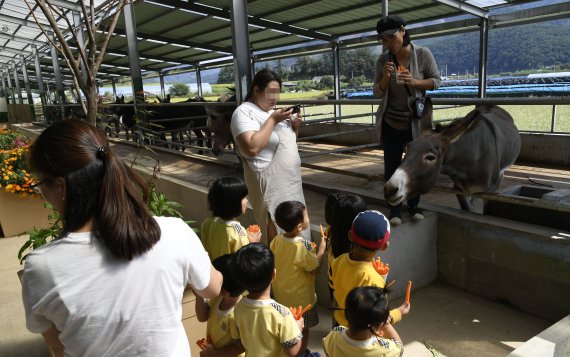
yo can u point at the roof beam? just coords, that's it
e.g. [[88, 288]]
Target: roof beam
[[254, 20], [23, 22], [466, 7], [66, 4], [21, 39], [178, 42]]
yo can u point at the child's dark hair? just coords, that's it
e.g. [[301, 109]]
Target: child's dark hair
[[253, 266], [223, 264], [289, 214], [366, 306], [225, 196], [346, 209]]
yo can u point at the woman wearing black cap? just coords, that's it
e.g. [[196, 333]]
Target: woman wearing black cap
[[418, 73]]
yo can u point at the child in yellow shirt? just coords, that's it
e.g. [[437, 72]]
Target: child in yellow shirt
[[296, 263], [222, 233], [340, 210], [370, 232], [263, 326], [219, 313], [369, 332]]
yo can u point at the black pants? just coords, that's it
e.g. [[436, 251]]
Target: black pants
[[393, 142]]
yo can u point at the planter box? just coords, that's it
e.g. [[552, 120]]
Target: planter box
[[20, 214]]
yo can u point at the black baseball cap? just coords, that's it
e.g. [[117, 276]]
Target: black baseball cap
[[388, 25]]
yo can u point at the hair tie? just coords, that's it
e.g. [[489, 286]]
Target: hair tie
[[101, 153]]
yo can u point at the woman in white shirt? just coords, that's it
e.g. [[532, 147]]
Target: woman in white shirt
[[112, 284], [267, 141]]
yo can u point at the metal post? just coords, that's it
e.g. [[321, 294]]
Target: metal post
[[240, 43], [113, 83], [17, 84], [199, 81], [553, 122], [60, 94], [4, 89], [384, 8], [80, 41], [28, 87], [11, 90], [483, 44], [336, 74], [162, 90], [39, 78], [134, 62]]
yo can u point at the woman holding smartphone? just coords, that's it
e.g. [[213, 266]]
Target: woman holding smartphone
[[266, 139]]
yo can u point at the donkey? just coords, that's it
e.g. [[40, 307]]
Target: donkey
[[127, 116], [474, 152], [219, 120]]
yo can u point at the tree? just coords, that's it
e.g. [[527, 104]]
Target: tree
[[90, 55], [226, 75], [179, 89], [326, 82]]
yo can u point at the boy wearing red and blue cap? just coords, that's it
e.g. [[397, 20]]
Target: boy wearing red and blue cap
[[370, 232]]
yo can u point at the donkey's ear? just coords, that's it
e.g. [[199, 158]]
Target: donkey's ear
[[455, 131], [426, 119]]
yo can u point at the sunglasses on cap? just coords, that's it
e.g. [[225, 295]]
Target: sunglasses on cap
[[387, 37]]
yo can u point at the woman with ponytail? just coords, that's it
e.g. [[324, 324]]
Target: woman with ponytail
[[112, 283]]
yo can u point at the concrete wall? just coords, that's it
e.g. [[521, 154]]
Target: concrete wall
[[525, 265], [552, 149], [540, 148]]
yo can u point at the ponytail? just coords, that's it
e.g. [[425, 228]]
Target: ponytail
[[99, 187], [123, 221]]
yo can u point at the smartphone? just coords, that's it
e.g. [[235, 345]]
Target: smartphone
[[296, 109]]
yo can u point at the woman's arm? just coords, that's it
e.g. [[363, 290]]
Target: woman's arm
[[215, 285], [382, 77], [202, 309], [252, 142], [51, 337]]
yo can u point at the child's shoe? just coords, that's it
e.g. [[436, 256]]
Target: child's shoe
[[308, 353], [395, 221]]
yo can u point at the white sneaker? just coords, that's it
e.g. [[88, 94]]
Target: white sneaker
[[417, 217], [396, 221]]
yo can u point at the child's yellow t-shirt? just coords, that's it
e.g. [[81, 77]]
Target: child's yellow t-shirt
[[221, 237], [264, 327], [295, 259], [218, 325], [349, 274], [338, 343]]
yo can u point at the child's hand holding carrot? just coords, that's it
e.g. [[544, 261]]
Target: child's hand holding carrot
[[254, 233]]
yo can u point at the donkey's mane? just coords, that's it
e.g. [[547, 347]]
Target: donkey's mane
[[454, 122]]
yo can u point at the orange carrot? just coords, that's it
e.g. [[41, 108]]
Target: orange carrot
[[253, 228], [314, 245], [299, 311], [408, 291], [202, 344]]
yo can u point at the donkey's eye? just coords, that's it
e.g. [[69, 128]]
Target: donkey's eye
[[430, 157]]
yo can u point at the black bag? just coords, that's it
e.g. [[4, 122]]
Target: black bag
[[418, 107]]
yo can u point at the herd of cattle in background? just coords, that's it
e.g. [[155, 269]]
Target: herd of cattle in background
[[176, 121], [473, 151]]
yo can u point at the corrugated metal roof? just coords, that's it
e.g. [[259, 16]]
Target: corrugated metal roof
[[174, 32]]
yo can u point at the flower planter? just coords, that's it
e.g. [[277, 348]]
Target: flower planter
[[20, 214]]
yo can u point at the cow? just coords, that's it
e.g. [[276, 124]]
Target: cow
[[219, 120], [195, 122], [473, 151]]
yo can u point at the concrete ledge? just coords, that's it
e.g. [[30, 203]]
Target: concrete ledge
[[552, 342], [523, 264]]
